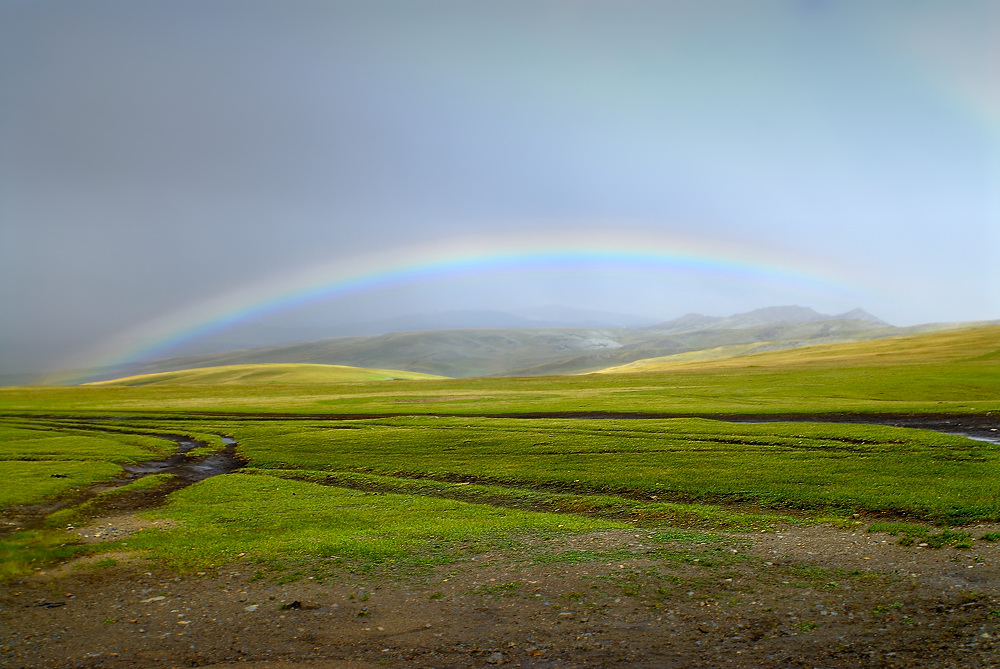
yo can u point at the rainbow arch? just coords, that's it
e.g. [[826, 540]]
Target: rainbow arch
[[457, 259]]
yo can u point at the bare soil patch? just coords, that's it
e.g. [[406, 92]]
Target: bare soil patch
[[799, 597]]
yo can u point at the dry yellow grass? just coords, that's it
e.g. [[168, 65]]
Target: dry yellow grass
[[965, 344], [278, 373]]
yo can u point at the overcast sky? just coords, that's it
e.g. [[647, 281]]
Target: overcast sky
[[158, 154]]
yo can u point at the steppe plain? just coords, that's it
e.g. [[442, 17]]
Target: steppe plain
[[820, 506]]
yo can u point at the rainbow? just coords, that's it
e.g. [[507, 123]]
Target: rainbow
[[457, 259]]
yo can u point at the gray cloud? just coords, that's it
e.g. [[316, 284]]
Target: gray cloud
[[159, 153]]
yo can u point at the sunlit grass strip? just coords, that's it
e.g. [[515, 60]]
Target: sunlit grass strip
[[610, 507], [267, 518], [273, 373]]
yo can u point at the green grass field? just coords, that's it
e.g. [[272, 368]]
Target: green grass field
[[776, 465], [268, 518], [374, 470]]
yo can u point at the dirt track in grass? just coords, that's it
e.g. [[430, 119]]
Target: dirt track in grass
[[798, 597]]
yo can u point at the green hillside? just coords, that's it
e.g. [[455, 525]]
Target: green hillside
[[523, 352], [938, 372], [966, 345], [265, 374]]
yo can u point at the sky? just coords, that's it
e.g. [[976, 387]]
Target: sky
[[170, 168]]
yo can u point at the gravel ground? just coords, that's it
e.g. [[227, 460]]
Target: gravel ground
[[798, 597]]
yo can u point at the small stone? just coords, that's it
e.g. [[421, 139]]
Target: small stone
[[252, 607], [496, 658]]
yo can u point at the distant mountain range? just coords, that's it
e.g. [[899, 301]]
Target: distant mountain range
[[257, 335], [758, 317], [486, 343]]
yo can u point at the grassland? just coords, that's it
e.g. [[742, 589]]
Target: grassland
[[952, 372], [270, 518], [776, 465], [490, 459]]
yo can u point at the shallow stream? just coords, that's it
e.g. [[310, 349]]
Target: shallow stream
[[186, 468], [181, 464]]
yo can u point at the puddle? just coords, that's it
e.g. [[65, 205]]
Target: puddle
[[186, 468], [978, 427]]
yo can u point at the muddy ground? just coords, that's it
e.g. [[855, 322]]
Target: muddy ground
[[798, 597]]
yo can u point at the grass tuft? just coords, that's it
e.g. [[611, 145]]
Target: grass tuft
[[913, 534], [29, 551]]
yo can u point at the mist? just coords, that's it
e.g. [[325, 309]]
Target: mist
[[161, 155]]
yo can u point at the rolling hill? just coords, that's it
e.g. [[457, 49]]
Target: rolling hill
[[969, 344], [263, 374], [480, 352]]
